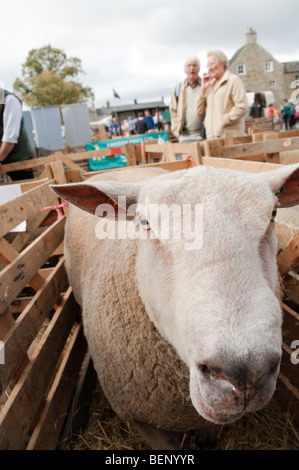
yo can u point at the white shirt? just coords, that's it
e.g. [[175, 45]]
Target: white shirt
[[158, 118], [11, 119]]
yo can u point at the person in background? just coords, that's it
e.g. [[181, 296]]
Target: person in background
[[149, 120], [271, 110], [114, 127], [257, 109], [222, 99], [15, 145], [132, 123], [286, 113], [158, 121], [141, 125], [125, 128], [186, 124], [292, 116]]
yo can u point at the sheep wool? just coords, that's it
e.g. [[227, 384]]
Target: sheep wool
[[182, 334]]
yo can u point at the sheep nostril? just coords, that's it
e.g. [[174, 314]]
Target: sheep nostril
[[203, 368], [212, 372]]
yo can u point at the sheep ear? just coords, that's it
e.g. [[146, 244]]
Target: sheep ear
[[285, 184], [89, 196]]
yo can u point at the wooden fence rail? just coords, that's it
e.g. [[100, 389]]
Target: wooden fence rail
[[268, 147], [42, 336], [73, 161]]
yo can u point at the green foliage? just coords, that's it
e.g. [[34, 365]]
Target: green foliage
[[49, 79]]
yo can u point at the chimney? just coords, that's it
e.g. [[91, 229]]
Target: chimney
[[135, 101], [250, 36], [107, 104]]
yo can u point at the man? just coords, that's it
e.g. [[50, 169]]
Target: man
[[186, 124], [132, 124], [292, 116], [158, 121], [149, 120], [114, 127], [141, 125], [222, 99], [15, 145], [286, 113]]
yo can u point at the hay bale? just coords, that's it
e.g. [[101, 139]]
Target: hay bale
[[105, 431], [268, 429]]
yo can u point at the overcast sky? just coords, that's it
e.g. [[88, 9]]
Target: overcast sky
[[139, 47]]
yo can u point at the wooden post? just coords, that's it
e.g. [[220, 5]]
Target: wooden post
[[130, 154], [213, 148], [196, 153], [143, 154], [273, 157], [58, 172], [55, 170], [168, 155], [73, 176]]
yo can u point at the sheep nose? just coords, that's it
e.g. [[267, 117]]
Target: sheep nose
[[242, 374]]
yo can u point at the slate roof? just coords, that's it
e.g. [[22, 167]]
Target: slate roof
[[290, 67], [131, 107]]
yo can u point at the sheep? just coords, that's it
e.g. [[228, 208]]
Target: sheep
[[184, 327]]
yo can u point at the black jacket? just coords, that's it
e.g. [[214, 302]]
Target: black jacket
[[141, 126]]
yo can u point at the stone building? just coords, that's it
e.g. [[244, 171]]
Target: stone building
[[261, 72]]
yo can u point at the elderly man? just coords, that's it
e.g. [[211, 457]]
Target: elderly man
[[14, 142], [186, 124], [222, 99]]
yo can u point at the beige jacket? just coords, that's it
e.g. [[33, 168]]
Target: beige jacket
[[224, 106], [177, 109]]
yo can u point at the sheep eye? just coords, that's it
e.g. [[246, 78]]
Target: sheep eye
[[145, 224], [280, 191], [273, 214]]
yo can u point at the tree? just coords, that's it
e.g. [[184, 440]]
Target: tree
[[49, 79]]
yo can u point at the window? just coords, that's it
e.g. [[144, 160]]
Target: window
[[272, 84], [241, 69], [269, 66]]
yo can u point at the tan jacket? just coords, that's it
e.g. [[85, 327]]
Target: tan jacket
[[177, 109], [224, 106]]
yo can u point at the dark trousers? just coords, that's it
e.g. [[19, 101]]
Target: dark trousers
[[286, 120], [21, 174]]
